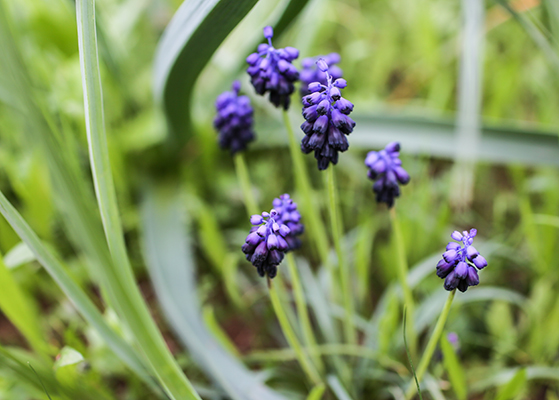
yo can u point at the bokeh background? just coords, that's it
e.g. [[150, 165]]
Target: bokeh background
[[470, 89]]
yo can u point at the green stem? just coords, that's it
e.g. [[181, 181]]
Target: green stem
[[302, 311], [431, 345], [289, 333], [244, 181], [402, 269], [343, 269], [309, 208]]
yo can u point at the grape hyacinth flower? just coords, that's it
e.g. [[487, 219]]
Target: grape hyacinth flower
[[327, 120], [385, 168], [461, 262], [270, 70], [265, 245], [310, 73], [289, 216], [234, 119]]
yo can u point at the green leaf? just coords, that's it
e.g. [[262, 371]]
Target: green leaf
[[317, 392], [190, 39], [337, 388], [454, 369], [18, 306], [80, 300], [513, 387], [169, 259], [68, 356], [118, 279], [435, 136], [19, 254], [97, 138]]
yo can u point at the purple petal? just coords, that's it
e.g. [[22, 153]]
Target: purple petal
[[450, 255], [480, 262], [256, 219], [471, 252], [456, 235], [268, 32], [461, 270]]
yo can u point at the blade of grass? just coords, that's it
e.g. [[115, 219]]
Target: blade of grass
[[317, 392], [21, 311], [166, 247], [337, 388], [410, 358], [130, 301], [97, 138], [454, 369], [76, 295]]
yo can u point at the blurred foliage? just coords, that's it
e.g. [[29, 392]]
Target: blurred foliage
[[398, 57]]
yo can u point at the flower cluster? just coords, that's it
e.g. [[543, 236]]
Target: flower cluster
[[327, 119], [288, 215], [310, 73], [271, 70], [460, 263], [265, 245], [385, 168], [234, 119]]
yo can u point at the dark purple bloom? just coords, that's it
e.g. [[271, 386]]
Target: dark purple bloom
[[265, 245], [271, 70], [461, 262], [310, 73], [385, 168], [233, 119], [288, 215], [327, 119]]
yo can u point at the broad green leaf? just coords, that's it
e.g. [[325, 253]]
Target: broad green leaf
[[513, 387], [170, 262], [196, 30], [19, 254], [454, 369], [434, 136]]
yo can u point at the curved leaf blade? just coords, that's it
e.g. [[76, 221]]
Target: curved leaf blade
[[169, 260], [191, 38]]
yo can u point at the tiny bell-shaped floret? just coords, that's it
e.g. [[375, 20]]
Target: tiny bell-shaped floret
[[233, 120], [311, 74], [461, 262], [385, 168], [271, 71], [266, 244], [326, 119]]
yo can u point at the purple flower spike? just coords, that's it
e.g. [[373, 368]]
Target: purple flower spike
[[461, 262], [266, 244], [386, 170], [234, 120], [270, 70], [290, 217], [327, 121], [310, 74]]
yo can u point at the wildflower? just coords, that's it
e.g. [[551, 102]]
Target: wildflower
[[288, 215], [461, 262], [265, 245], [271, 70], [234, 119], [385, 168], [310, 73], [327, 119]]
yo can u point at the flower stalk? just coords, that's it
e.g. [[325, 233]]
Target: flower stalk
[[345, 282], [431, 345]]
